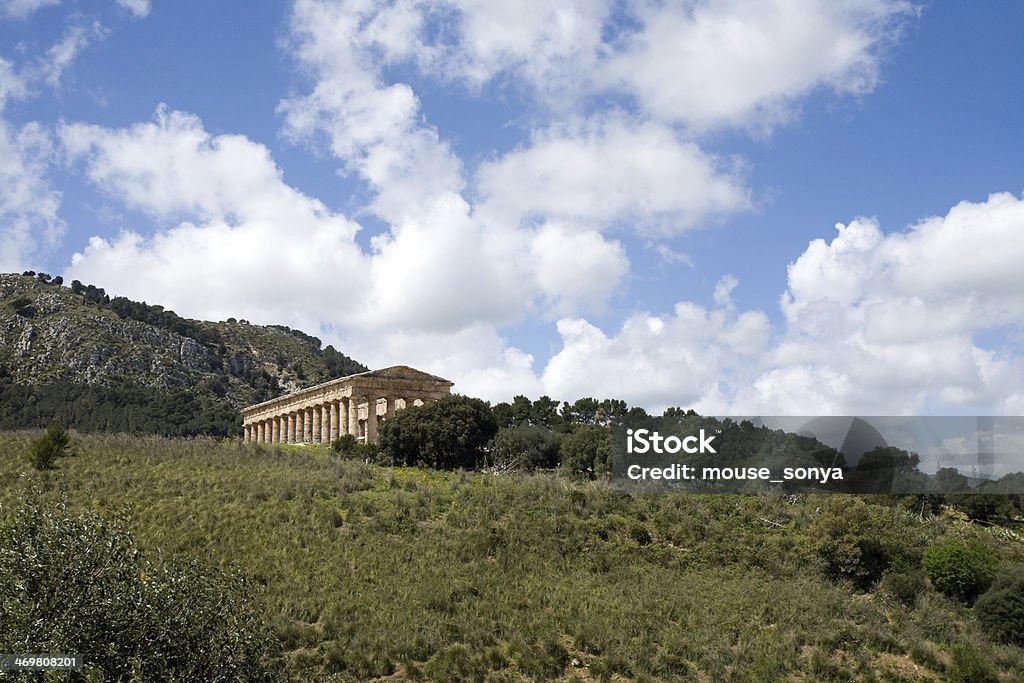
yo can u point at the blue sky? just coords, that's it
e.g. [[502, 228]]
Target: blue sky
[[637, 200]]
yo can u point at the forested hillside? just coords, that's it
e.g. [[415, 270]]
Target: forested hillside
[[102, 363]]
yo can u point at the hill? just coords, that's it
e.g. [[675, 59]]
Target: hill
[[416, 574], [111, 364]]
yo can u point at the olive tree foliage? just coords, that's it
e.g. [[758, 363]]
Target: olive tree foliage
[[588, 450], [77, 583], [525, 447], [451, 433]]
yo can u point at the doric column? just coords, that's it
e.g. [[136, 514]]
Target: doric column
[[334, 419], [371, 420], [324, 435], [353, 416], [389, 411], [275, 430], [290, 435], [261, 433], [307, 425], [317, 435]]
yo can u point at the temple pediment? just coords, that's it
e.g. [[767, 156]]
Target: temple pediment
[[401, 372]]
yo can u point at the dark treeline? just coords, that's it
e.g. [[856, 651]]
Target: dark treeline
[[524, 434], [129, 409]]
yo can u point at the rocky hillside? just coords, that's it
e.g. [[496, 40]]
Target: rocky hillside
[[110, 364]]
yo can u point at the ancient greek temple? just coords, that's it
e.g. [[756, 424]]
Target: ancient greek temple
[[355, 405]]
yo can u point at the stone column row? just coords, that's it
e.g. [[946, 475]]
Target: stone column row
[[324, 422]]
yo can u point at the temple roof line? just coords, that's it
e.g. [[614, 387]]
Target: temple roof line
[[392, 373]]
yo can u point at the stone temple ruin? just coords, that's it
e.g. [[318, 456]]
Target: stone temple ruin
[[349, 405]]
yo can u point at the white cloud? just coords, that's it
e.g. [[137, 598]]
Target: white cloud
[[28, 205], [63, 53], [873, 324], [235, 227], [611, 171], [12, 84], [583, 282], [375, 129], [138, 8], [262, 246], [892, 319], [442, 270], [19, 9], [744, 62], [687, 358]]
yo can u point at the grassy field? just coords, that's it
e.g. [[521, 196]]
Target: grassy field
[[404, 573]]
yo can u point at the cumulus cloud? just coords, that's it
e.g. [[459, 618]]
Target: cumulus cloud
[[894, 318], [873, 323], [236, 227], [375, 129], [477, 358], [688, 358], [612, 171], [583, 282], [745, 62], [232, 225], [28, 205]]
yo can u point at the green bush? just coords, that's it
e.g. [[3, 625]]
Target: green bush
[[859, 542], [961, 569], [344, 443], [1001, 609], [903, 585], [78, 583], [47, 448]]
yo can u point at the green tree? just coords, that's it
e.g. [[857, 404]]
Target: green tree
[[446, 434], [47, 448], [588, 450], [524, 447]]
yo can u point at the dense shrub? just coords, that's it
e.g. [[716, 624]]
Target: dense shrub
[[961, 569], [1001, 609], [903, 585], [78, 583], [970, 666], [859, 542]]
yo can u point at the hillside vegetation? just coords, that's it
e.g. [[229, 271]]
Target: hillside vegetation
[[414, 574], [111, 364]]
